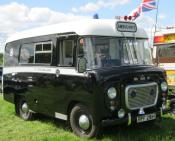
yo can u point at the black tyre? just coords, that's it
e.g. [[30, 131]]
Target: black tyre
[[82, 122], [172, 106], [173, 109], [23, 109], [17, 106]]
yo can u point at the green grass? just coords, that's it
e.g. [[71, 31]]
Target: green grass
[[12, 128]]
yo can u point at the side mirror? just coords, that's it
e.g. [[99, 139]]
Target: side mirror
[[81, 65]]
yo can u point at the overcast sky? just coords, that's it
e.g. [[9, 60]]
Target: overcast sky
[[18, 15]]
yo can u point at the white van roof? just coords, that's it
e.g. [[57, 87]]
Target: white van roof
[[165, 31], [98, 27]]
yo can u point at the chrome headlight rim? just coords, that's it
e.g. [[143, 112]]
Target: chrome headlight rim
[[112, 93], [164, 86]]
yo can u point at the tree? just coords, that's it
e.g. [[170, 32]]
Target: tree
[[1, 59]]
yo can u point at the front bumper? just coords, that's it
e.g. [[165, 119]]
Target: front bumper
[[128, 119]]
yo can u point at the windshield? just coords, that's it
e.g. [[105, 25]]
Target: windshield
[[112, 51]]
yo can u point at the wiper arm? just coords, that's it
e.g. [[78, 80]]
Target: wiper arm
[[127, 48]]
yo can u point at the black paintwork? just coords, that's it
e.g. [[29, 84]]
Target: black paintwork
[[56, 94], [47, 94]]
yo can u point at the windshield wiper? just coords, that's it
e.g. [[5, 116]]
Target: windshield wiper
[[129, 53]]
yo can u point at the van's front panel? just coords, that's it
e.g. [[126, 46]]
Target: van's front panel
[[138, 92]]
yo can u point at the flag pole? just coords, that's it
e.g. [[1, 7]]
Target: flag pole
[[157, 12]]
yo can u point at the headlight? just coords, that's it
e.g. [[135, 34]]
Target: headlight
[[164, 86], [112, 93], [121, 113]]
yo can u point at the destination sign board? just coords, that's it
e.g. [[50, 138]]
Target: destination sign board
[[126, 27]]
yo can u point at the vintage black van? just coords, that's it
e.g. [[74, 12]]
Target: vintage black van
[[91, 73]]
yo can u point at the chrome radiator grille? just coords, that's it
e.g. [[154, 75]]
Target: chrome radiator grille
[[141, 96]]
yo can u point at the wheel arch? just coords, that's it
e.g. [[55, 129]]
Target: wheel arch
[[71, 105]]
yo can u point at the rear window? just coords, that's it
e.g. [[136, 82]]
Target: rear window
[[11, 54]]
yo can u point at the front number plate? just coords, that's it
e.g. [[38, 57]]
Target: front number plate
[[144, 118]]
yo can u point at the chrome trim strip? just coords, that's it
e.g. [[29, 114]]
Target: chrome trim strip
[[32, 111], [60, 116], [70, 71], [139, 86]]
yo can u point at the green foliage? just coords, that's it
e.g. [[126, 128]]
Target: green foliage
[[42, 128], [1, 59]]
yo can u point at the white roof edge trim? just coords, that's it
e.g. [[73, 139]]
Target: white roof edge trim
[[164, 32], [97, 27]]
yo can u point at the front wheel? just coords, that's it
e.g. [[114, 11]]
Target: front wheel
[[24, 111], [82, 122]]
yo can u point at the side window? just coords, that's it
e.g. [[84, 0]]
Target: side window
[[27, 54], [43, 53], [66, 52], [11, 54]]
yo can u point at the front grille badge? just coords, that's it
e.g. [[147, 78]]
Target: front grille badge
[[141, 111]]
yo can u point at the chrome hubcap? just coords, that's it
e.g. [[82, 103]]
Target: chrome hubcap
[[25, 108], [84, 122]]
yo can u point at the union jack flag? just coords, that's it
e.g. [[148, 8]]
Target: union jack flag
[[148, 5], [136, 12]]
